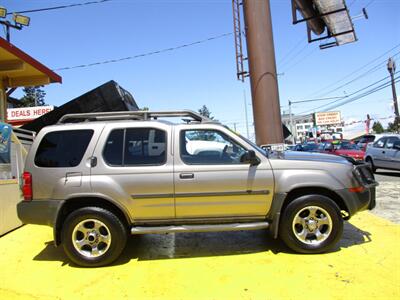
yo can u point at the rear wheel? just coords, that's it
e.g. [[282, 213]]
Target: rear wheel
[[311, 224], [93, 237]]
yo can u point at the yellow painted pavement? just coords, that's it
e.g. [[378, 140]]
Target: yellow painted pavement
[[230, 265]]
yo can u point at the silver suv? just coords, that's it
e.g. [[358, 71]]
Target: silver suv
[[96, 177]]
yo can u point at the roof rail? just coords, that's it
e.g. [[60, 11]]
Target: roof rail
[[140, 115]]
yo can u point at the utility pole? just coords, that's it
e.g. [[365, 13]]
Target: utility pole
[[291, 122], [263, 76], [391, 65]]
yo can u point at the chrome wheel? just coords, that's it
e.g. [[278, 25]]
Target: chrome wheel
[[91, 238], [312, 225]]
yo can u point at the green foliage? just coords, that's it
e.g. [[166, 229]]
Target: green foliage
[[204, 111], [395, 126], [34, 96], [377, 127]]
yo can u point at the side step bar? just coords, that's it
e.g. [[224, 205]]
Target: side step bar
[[199, 228]]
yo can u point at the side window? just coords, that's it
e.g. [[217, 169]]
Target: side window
[[113, 149], [135, 147], [209, 147], [62, 149], [144, 146], [390, 141], [321, 146], [380, 143]]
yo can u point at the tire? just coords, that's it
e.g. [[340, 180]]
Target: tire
[[311, 224], [369, 161], [93, 237]]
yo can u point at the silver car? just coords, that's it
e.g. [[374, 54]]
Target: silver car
[[384, 153], [112, 174]]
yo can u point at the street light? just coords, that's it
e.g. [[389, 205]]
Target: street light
[[21, 20], [3, 12]]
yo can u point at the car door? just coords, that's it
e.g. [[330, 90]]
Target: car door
[[391, 159], [378, 152], [211, 182], [131, 173]]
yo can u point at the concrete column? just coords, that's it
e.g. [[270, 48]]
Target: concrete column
[[262, 67]]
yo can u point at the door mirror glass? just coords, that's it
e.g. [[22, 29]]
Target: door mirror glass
[[250, 157]]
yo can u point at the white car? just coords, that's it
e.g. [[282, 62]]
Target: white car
[[384, 153]]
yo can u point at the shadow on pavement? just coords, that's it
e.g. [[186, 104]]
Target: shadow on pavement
[[191, 245], [390, 174]]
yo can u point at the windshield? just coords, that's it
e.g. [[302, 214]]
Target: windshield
[[310, 147], [347, 146], [258, 148]]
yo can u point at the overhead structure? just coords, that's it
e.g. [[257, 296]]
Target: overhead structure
[[18, 69], [326, 19]]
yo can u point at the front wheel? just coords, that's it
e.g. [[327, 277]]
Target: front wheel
[[311, 224], [93, 237], [371, 164]]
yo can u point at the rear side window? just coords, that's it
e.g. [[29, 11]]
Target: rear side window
[[62, 149], [135, 147]]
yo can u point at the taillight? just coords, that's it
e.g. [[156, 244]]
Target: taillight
[[27, 186]]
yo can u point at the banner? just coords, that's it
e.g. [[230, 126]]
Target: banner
[[5, 143]]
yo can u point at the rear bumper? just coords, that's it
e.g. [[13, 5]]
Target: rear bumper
[[41, 212]]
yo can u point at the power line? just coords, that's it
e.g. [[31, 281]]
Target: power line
[[300, 60], [356, 92], [143, 54], [365, 94], [291, 50], [57, 7], [380, 65], [318, 93]]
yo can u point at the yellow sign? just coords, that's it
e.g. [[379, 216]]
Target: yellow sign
[[327, 118]]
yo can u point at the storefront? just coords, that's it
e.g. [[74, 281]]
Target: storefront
[[17, 69]]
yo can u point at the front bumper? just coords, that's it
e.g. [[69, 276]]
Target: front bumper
[[41, 212]]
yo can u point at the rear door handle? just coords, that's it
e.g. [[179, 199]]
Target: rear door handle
[[186, 176]]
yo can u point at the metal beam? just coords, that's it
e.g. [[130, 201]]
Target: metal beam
[[263, 76]]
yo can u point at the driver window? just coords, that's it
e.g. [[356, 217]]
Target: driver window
[[209, 147], [380, 143]]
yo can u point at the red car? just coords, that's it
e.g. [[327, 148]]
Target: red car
[[342, 148]]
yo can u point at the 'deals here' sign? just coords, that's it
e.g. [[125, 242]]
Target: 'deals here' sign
[[27, 113]]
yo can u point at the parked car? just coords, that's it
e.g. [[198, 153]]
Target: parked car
[[342, 148], [134, 172], [307, 147], [384, 153]]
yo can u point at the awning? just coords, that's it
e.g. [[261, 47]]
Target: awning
[[18, 69]]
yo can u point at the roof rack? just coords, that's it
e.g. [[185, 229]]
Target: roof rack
[[140, 115]]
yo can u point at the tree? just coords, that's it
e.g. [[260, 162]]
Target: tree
[[204, 111], [34, 96], [377, 127], [395, 126]]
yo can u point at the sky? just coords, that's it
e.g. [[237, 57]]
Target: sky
[[205, 73]]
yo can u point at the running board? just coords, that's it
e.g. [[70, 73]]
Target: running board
[[199, 228]]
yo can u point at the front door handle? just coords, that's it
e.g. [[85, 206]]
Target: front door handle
[[186, 176]]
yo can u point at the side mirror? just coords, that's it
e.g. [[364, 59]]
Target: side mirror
[[250, 157], [396, 145]]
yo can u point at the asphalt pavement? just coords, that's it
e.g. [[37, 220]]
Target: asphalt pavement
[[388, 195]]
